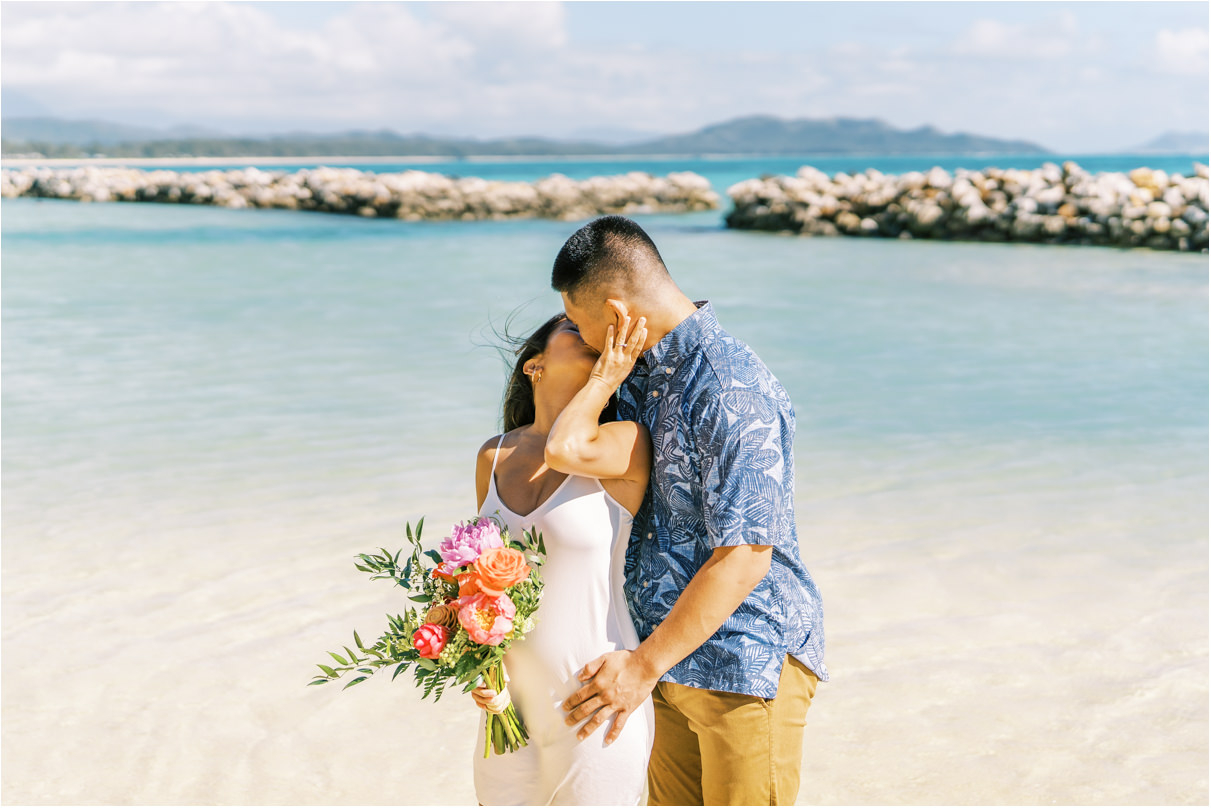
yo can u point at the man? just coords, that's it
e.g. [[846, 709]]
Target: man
[[730, 620]]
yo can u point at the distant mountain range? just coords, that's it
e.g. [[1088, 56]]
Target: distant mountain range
[[1176, 143], [766, 135], [61, 132], [763, 135]]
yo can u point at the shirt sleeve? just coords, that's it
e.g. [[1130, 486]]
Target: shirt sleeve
[[743, 438]]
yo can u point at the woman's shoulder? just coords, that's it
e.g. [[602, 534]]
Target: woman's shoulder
[[489, 446], [487, 451], [485, 460]]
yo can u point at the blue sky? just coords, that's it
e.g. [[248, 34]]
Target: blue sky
[[1075, 77]]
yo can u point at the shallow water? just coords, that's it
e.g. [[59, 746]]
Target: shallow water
[[1002, 492]]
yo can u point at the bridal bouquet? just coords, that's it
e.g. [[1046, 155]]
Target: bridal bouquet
[[479, 594]]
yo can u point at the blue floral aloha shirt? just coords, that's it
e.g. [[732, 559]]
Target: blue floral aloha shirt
[[723, 475]]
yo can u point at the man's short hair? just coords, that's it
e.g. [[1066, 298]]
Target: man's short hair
[[609, 250]]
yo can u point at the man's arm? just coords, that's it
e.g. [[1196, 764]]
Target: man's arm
[[742, 436], [620, 681]]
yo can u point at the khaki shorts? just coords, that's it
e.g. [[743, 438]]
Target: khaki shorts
[[716, 748]]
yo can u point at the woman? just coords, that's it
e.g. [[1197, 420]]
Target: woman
[[579, 481]]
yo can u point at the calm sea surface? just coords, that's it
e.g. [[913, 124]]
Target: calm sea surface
[[153, 348], [177, 378]]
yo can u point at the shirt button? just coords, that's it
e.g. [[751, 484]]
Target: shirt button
[[668, 370], [649, 535], [645, 584], [655, 394]]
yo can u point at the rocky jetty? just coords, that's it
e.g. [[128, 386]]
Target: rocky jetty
[[409, 195], [1052, 204]]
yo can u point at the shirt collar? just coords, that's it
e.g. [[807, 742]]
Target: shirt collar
[[685, 338]]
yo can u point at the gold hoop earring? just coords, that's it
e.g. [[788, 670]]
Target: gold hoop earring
[[537, 375]]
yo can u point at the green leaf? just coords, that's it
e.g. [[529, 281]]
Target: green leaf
[[337, 658], [318, 682], [434, 556], [353, 682], [419, 598], [358, 641], [329, 671], [353, 660], [480, 668]]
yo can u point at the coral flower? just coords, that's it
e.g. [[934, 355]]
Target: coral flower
[[487, 619], [500, 568], [444, 572], [430, 639], [469, 584]]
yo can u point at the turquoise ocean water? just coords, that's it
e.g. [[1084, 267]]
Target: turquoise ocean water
[[144, 338], [984, 432]]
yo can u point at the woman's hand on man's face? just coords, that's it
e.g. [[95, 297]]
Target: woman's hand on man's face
[[623, 345]]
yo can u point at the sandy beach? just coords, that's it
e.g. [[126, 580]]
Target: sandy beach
[[969, 239], [1002, 495], [958, 677]]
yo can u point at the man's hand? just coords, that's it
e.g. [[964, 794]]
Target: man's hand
[[618, 684]]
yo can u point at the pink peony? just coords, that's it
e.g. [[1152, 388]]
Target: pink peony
[[487, 619], [430, 639], [468, 541]]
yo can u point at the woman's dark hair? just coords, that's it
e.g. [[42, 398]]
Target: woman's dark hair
[[518, 409]]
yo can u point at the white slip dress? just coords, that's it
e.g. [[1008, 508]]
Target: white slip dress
[[582, 615]]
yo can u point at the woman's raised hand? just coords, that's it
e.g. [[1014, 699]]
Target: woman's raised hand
[[620, 352]]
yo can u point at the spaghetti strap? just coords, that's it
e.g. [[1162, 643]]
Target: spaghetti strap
[[496, 454]]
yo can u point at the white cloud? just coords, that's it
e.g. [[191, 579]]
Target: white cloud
[[504, 69], [199, 60], [509, 25], [1181, 52], [474, 68], [992, 38]]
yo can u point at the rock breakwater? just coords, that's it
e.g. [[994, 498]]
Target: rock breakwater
[[409, 195], [1052, 204]]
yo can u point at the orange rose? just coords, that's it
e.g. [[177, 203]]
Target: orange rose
[[500, 568], [469, 584]]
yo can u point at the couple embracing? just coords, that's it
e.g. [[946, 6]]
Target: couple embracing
[[680, 638]]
